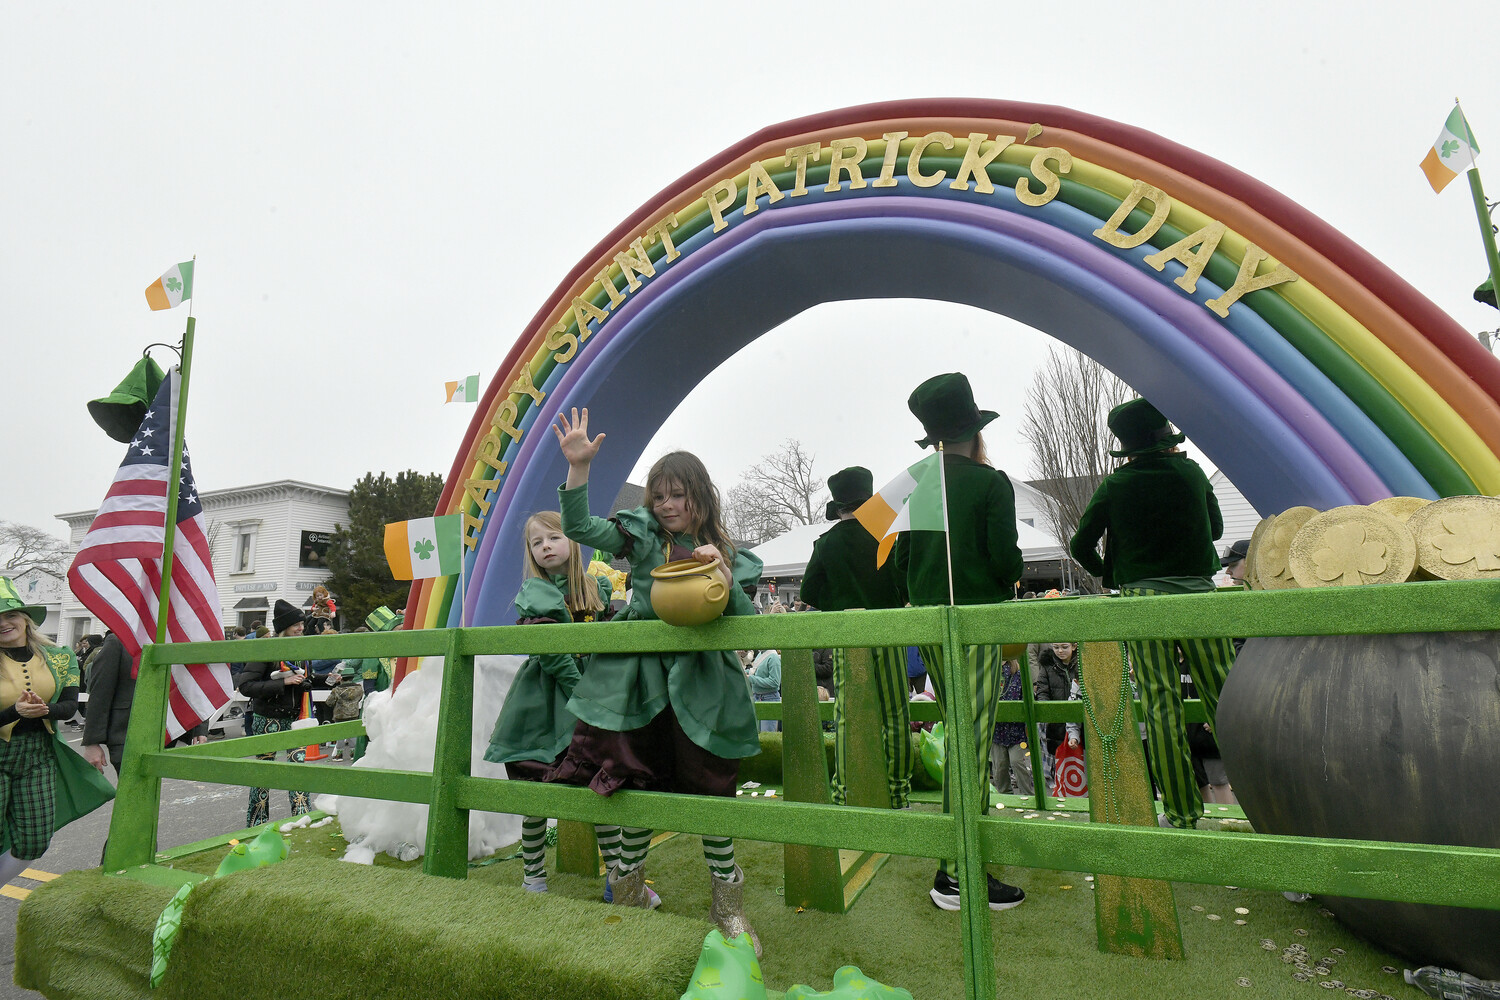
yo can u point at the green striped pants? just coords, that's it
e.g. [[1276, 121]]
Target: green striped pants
[[1159, 676], [888, 672], [986, 674]]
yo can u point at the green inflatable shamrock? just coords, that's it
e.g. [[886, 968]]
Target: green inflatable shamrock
[[267, 849], [851, 984], [726, 970], [930, 747]]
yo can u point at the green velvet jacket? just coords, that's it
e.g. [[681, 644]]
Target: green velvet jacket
[[982, 524], [1158, 517], [624, 691], [534, 723], [841, 573]]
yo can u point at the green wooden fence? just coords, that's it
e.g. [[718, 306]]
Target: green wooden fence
[[1415, 873]]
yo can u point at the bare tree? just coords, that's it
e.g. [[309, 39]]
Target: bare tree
[[1067, 404], [778, 492], [24, 545]]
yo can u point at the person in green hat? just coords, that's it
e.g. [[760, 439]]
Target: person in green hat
[[1159, 518], [986, 565], [841, 575], [38, 690], [375, 671]]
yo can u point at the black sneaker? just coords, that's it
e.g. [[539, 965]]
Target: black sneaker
[[1002, 897]]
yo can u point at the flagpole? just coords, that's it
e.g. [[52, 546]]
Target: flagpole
[[174, 484], [947, 538], [461, 576], [1486, 226]]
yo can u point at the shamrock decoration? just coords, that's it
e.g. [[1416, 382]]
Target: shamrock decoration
[[1449, 148], [423, 549], [1348, 552], [1278, 546], [1469, 536], [173, 285]]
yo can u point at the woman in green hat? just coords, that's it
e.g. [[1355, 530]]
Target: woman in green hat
[[1159, 518], [985, 567], [38, 689]]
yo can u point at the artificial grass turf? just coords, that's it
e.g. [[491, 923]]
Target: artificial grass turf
[[1043, 949]]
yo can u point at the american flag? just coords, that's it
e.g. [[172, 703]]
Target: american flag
[[117, 571]]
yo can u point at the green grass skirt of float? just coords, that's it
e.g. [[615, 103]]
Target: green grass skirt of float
[[311, 927]]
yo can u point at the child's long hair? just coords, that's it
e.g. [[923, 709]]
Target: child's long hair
[[684, 469], [979, 453], [583, 591]]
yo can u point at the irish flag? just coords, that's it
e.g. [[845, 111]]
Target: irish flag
[[463, 391], [426, 547], [1452, 154], [171, 288], [913, 501]]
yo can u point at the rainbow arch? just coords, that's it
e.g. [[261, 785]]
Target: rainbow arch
[[1342, 385]]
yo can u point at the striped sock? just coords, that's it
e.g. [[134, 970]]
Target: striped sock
[[634, 842], [719, 852], [534, 847], [609, 844]]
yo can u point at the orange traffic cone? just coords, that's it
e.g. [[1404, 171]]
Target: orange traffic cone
[[315, 750]]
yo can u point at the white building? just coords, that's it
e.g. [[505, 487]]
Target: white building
[[1240, 518], [269, 541]]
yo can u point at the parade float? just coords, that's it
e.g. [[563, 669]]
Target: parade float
[[1307, 371]]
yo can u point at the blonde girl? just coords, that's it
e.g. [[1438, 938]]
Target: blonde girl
[[535, 726]]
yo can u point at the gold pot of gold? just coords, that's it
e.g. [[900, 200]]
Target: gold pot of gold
[[688, 592]]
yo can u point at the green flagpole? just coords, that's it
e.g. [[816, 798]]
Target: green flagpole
[[1487, 231], [175, 483], [1482, 210]]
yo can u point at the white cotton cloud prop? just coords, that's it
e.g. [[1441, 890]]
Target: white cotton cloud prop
[[403, 736]]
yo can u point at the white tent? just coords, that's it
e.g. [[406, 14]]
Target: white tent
[[787, 555]]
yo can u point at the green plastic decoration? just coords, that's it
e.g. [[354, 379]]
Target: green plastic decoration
[[851, 984], [727, 970], [930, 747], [267, 849]]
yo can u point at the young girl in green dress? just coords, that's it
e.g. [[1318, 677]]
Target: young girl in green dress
[[671, 722], [535, 726]]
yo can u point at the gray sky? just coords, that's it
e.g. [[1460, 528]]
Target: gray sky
[[381, 195]]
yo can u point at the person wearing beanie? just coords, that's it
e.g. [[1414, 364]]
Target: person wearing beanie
[[1159, 518], [986, 565], [276, 690], [841, 575]]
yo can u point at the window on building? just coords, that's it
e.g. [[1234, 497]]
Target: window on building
[[243, 558]]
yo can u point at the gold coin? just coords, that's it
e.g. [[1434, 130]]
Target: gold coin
[[1251, 579], [1400, 508], [1458, 538], [1349, 546], [1271, 569]]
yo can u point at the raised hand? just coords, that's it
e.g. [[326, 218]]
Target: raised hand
[[573, 438]]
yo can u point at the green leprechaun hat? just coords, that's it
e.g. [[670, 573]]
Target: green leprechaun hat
[[1141, 428], [382, 619], [120, 412], [10, 600], [945, 405]]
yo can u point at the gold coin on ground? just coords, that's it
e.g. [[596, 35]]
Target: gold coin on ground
[[1352, 545], [1400, 508], [1252, 580], [1271, 569], [1458, 538]]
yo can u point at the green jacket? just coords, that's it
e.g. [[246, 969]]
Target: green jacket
[[624, 691], [982, 535], [534, 723], [841, 573], [1158, 517]]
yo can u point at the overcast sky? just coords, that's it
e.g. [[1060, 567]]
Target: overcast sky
[[380, 196]]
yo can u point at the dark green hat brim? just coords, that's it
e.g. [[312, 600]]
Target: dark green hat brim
[[1170, 441], [960, 435]]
